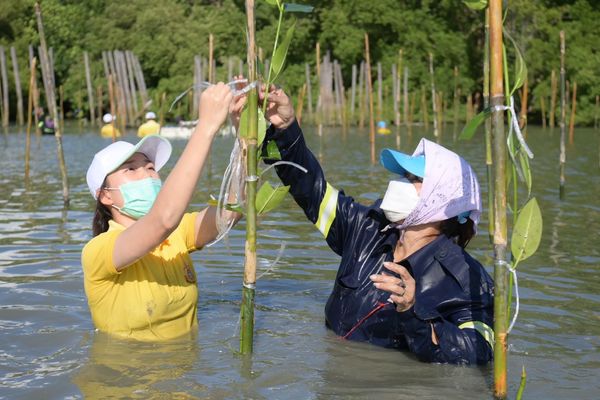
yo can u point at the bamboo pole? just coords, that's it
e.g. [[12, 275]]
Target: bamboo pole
[[440, 114], [425, 116], [411, 112], [370, 94], [210, 58], [100, 101], [308, 90], [488, 127], [29, 112], [353, 92], [524, 99], [500, 223], [361, 95], [543, 110], [19, 93], [249, 285], [48, 75], [563, 113], [320, 98], [379, 92], [469, 106], [433, 98], [61, 102], [5, 101], [405, 106], [128, 63], [396, 101], [398, 93], [88, 81], [455, 105], [572, 119], [36, 95], [553, 88]]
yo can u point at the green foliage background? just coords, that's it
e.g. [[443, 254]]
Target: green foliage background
[[166, 34]]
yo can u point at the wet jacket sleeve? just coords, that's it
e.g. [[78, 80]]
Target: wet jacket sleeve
[[468, 343], [333, 213]]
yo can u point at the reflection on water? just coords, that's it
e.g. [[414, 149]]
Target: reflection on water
[[48, 347]]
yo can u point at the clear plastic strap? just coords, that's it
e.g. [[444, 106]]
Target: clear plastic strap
[[514, 125], [204, 85], [513, 271]]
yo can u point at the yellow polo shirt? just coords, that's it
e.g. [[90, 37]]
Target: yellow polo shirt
[[107, 131], [150, 127], [155, 298]]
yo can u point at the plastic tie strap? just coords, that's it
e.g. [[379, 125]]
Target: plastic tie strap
[[513, 271], [205, 85], [514, 125]]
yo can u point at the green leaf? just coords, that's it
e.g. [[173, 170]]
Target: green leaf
[[297, 8], [280, 53], [476, 4], [471, 127], [268, 198], [527, 231], [272, 2], [272, 151], [262, 125], [520, 66], [526, 171]]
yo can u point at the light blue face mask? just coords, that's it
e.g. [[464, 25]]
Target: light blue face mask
[[138, 196]]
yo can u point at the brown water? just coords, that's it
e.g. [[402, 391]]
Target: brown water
[[48, 347]]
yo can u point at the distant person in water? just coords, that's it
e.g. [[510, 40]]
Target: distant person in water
[[46, 125], [150, 127], [109, 130], [382, 128], [405, 280], [138, 275]]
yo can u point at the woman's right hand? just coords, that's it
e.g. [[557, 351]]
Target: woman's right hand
[[214, 107]]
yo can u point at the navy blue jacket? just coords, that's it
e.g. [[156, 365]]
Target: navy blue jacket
[[454, 293]]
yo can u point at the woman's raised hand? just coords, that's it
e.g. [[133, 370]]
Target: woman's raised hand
[[214, 107], [280, 110]]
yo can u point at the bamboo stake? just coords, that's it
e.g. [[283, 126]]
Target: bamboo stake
[[572, 119], [455, 106], [210, 58], [100, 101], [36, 95], [5, 101], [433, 98], [308, 90], [424, 109], [249, 285], [440, 114], [361, 95], [553, 87], [411, 112], [488, 128], [48, 75], [15, 64], [61, 97], [394, 94], [543, 109], [563, 113], [88, 80], [353, 92], [405, 106], [397, 95], [379, 92], [500, 223], [370, 94], [320, 98], [128, 64], [29, 112]]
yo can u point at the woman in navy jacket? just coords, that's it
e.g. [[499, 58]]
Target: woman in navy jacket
[[404, 280]]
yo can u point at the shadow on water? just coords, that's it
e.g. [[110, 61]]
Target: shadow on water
[[48, 347]]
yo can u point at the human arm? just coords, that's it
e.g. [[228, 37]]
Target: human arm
[[441, 340], [333, 213], [163, 218]]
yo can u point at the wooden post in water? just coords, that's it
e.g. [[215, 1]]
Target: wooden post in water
[[361, 95], [563, 115], [5, 101], [398, 94], [15, 64], [553, 88], [370, 94], [29, 112], [543, 110], [425, 115], [61, 102], [572, 119], [500, 220], [379, 92], [433, 98], [36, 94], [455, 106], [320, 97], [308, 91], [353, 92], [395, 101], [210, 59], [249, 285], [523, 113], [88, 81], [48, 77], [405, 105]]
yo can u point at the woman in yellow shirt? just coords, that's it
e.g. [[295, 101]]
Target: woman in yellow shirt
[[138, 275]]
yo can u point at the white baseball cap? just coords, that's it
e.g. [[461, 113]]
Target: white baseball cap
[[156, 148], [108, 118], [150, 115]]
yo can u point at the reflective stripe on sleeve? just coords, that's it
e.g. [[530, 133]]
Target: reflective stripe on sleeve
[[327, 210], [483, 329]]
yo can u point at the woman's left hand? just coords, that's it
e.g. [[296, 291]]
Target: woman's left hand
[[402, 289]]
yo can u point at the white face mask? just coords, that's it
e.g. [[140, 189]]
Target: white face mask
[[399, 200]]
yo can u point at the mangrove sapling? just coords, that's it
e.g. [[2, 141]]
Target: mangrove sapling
[[528, 220]]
